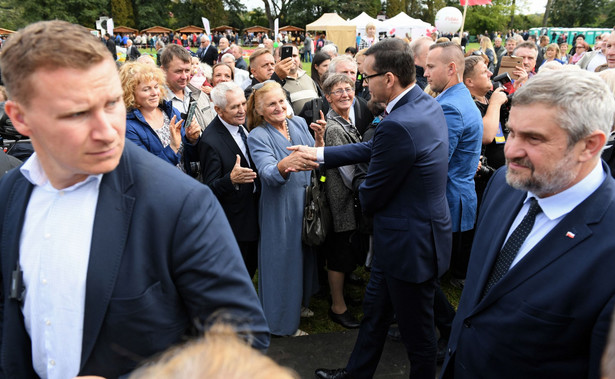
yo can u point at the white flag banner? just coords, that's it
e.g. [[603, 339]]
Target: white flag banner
[[110, 26], [206, 25], [276, 29]]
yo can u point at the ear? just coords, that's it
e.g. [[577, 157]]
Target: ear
[[593, 145], [16, 113], [218, 109], [328, 97], [452, 69]]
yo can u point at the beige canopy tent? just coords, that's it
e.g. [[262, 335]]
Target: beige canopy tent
[[339, 31]]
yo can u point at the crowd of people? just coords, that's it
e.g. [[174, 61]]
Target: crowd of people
[[160, 187]]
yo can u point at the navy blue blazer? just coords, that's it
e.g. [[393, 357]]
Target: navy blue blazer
[[162, 255], [405, 188], [549, 316], [217, 151]]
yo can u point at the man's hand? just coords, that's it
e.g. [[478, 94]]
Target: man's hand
[[193, 132], [310, 151], [242, 175], [297, 161], [282, 68], [522, 76]]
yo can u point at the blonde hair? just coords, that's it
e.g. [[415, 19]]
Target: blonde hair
[[134, 73], [220, 354], [554, 46], [485, 43], [255, 102], [47, 45]]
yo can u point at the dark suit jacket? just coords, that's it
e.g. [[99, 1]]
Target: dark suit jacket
[[133, 53], [405, 188], [217, 151], [162, 255], [548, 317], [210, 56], [362, 114]]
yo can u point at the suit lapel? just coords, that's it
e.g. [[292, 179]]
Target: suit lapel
[[110, 233], [554, 245], [225, 135]]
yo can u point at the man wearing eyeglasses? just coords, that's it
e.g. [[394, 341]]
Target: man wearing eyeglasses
[[405, 191], [206, 53]]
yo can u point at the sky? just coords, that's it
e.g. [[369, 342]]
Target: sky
[[533, 6]]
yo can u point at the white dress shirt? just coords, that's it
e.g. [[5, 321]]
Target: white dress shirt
[[554, 209], [54, 252], [234, 130]]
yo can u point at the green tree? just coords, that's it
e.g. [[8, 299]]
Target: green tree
[[151, 13], [84, 12], [122, 13], [234, 10], [572, 13]]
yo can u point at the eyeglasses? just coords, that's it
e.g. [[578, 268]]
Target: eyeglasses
[[366, 78], [342, 91], [580, 47]]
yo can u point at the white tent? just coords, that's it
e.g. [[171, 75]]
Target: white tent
[[402, 24], [339, 31], [363, 19]]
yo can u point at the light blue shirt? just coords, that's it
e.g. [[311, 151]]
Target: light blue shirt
[[554, 209], [54, 252]]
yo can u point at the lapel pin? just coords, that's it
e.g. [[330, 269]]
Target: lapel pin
[[570, 235]]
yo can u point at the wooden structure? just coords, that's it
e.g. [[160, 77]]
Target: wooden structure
[[290, 28], [224, 28], [125, 29], [5, 32], [157, 30], [257, 29], [190, 29]]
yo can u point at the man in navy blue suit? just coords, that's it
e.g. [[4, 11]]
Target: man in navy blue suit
[[540, 287], [109, 255], [405, 191]]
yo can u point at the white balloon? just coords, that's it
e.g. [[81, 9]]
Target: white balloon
[[448, 20]]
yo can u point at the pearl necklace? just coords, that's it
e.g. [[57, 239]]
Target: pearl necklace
[[288, 132]]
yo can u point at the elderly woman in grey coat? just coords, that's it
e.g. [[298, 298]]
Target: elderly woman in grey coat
[[339, 91]]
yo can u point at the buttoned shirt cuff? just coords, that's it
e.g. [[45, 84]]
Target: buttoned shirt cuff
[[320, 155]]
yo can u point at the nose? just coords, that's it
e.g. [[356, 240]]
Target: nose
[[102, 126], [513, 148]]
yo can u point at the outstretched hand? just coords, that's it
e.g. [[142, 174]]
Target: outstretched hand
[[241, 175]]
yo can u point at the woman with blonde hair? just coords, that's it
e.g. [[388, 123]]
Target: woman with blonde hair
[[552, 54], [486, 47], [151, 122], [287, 274]]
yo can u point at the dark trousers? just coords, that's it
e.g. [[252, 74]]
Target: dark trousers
[[413, 306], [249, 252], [460, 256]]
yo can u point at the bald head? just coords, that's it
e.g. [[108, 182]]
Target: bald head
[[420, 48]]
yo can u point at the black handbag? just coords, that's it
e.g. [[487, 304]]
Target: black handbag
[[317, 221]]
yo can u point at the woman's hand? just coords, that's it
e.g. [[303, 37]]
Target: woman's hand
[[319, 130], [193, 132], [176, 133]]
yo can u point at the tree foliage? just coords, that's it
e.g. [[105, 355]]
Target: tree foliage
[[572, 13], [123, 13]]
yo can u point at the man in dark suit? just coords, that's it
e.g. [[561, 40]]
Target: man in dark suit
[[540, 287], [228, 170], [132, 53], [111, 254], [207, 53], [405, 191]]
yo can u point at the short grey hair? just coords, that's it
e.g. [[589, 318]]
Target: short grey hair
[[582, 108], [335, 79], [338, 59], [329, 48], [227, 56], [218, 93], [159, 43]]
